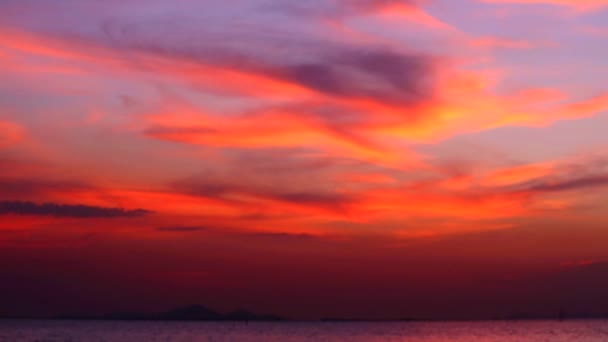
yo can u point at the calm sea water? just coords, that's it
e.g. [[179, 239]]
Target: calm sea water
[[583, 330]]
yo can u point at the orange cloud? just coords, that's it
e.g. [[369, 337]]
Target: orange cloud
[[291, 113], [274, 128], [503, 43], [464, 102], [399, 12], [515, 175], [467, 104]]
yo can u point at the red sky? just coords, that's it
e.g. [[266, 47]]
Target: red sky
[[365, 159]]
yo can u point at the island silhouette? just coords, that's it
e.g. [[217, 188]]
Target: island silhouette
[[193, 312]]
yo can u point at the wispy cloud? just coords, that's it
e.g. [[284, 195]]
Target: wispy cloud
[[66, 210]]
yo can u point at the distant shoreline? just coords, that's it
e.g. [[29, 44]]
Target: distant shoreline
[[304, 320], [200, 313]]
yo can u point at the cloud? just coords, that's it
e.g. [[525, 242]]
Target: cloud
[[571, 184], [506, 43], [168, 131], [290, 176], [579, 4], [181, 229], [311, 59], [66, 210], [281, 236], [310, 198], [372, 73], [353, 106], [235, 189], [329, 67], [339, 7], [316, 126], [567, 175]]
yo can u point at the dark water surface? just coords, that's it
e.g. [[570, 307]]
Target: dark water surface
[[110, 331]]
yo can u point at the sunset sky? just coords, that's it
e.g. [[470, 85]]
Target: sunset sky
[[351, 158]]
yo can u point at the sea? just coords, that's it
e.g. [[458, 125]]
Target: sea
[[484, 331]]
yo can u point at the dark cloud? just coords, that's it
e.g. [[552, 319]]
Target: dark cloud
[[329, 67], [210, 35], [366, 72], [234, 232], [329, 199], [164, 130], [297, 176], [181, 229], [588, 173], [209, 189], [202, 188], [571, 184], [281, 236], [66, 210]]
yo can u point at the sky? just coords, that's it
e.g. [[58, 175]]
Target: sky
[[323, 158]]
